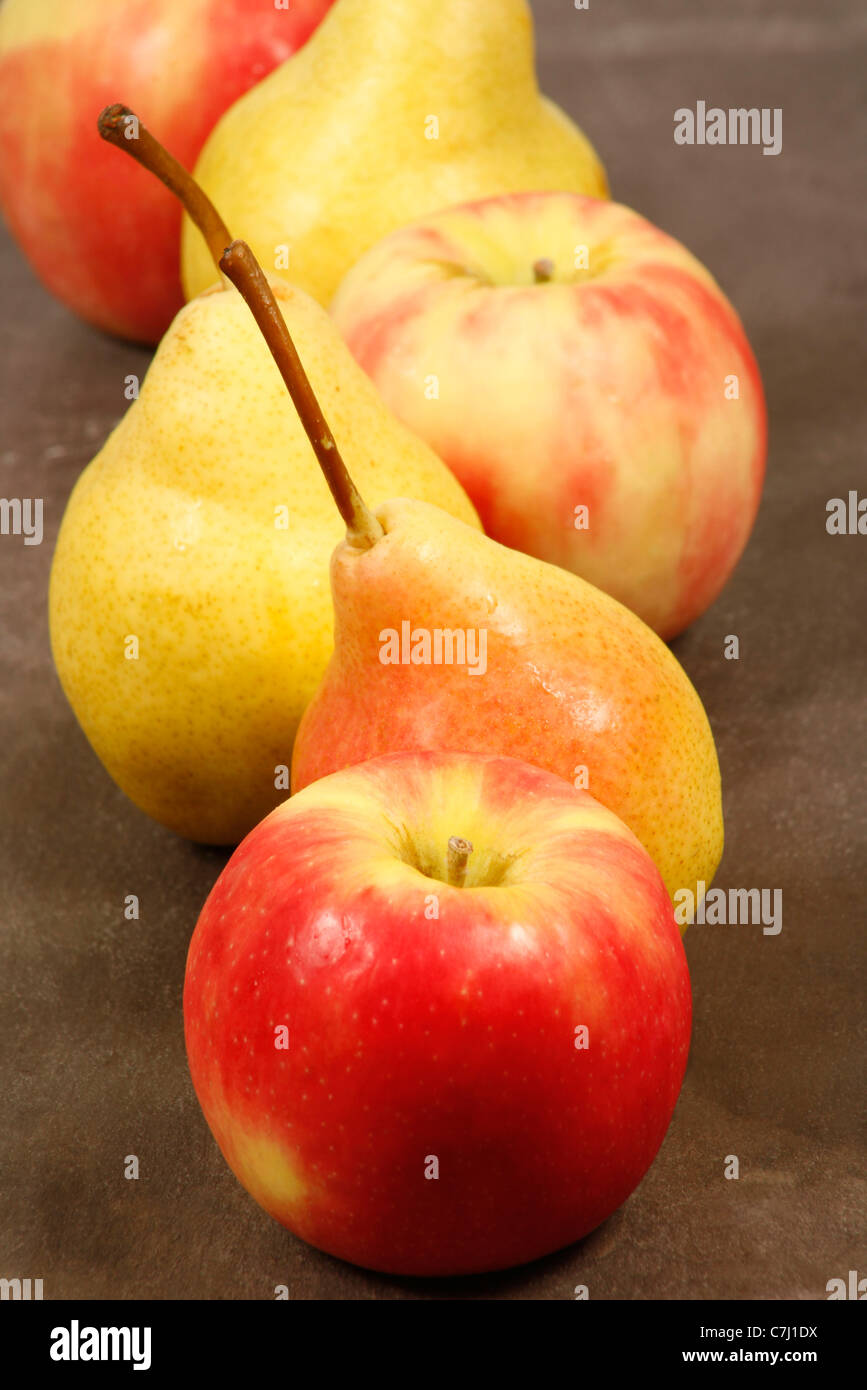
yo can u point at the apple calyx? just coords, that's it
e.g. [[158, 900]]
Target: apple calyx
[[458, 855], [121, 127], [543, 270]]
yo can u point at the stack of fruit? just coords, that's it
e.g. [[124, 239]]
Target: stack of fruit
[[437, 1007]]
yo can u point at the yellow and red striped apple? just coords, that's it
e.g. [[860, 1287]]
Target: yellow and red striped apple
[[430, 1057], [101, 234], [561, 353]]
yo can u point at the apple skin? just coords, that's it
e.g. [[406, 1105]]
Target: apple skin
[[101, 233], [603, 387], [412, 1037]]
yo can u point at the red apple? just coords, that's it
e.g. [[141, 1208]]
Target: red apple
[[100, 232], [425, 1076], [586, 380]]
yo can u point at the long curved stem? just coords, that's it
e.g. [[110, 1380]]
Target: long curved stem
[[245, 273], [121, 127]]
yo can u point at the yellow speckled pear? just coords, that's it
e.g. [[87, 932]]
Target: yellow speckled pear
[[190, 611], [394, 108]]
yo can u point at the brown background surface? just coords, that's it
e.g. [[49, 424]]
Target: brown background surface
[[93, 1064]]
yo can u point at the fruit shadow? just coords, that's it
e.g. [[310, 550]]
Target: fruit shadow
[[534, 1279]]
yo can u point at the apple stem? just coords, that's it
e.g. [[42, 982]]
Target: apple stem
[[237, 262], [543, 270], [459, 852]]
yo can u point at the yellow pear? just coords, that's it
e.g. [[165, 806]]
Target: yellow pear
[[191, 617], [392, 110]]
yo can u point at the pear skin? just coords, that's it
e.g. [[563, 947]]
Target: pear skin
[[391, 110], [571, 681], [190, 609]]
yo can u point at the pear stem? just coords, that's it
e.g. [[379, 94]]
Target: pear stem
[[240, 265], [121, 127], [459, 852]]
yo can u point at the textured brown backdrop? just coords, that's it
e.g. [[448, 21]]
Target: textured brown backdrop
[[90, 1025]]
